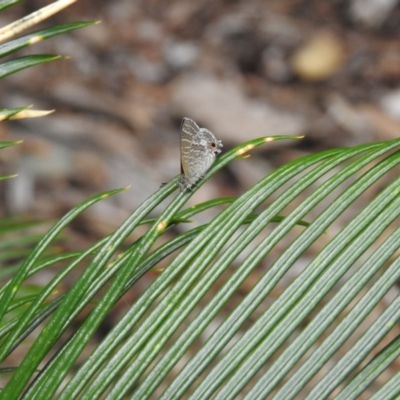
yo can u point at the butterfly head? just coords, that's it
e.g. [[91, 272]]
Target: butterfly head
[[216, 146]]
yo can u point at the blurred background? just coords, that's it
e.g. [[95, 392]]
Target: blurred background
[[243, 69]]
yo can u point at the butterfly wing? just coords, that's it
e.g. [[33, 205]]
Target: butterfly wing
[[201, 155], [189, 129], [199, 148]]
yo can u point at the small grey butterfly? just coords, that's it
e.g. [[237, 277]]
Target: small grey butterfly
[[199, 148]]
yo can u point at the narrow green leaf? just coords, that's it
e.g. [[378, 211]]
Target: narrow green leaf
[[38, 36], [39, 317], [8, 144], [21, 301], [2, 178], [183, 216], [47, 262], [8, 3], [7, 370], [391, 389], [163, 251], [12, 66], [371, 371], [6, 113]]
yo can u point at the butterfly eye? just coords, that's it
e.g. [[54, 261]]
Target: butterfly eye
[[213, 145]]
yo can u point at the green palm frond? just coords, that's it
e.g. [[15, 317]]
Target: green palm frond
[[267, 346]]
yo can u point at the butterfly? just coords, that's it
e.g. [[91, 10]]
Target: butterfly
[[199, 149]]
